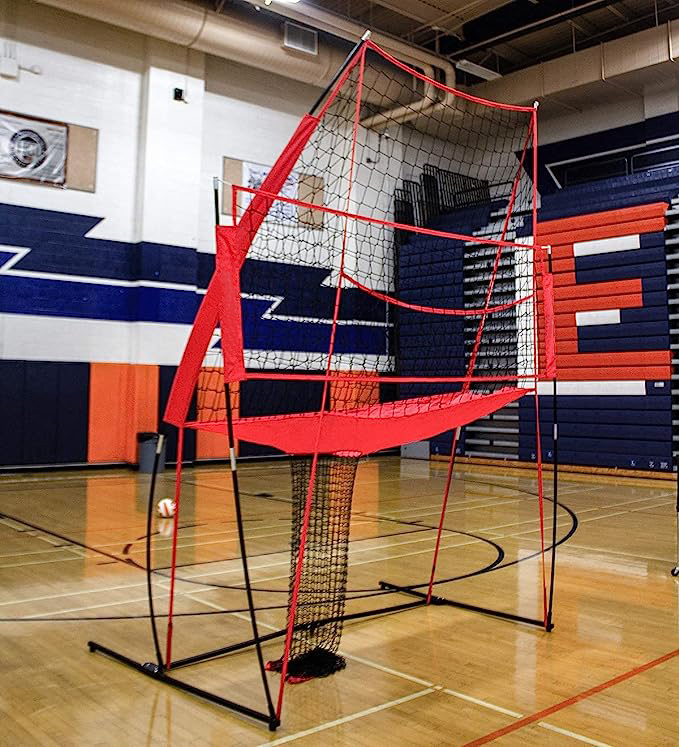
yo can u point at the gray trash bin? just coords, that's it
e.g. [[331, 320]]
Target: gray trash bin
[[147, 452]]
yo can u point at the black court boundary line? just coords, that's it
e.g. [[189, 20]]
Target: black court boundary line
[[374, 592]]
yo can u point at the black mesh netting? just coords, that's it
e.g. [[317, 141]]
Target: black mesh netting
[[390, 148], [323, 584], [395, 266]]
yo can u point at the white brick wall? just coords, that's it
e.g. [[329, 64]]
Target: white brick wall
[[91, 76]]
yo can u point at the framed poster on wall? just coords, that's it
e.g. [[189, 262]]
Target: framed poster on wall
[[32, 149]]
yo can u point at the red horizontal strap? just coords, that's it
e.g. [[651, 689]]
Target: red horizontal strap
[[599, 290], [565, 346], [564, 278], [370, 378], [478, 311], [630, 301], [476, 240], [607, 360], [442, 87]]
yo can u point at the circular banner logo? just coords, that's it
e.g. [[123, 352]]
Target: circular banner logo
[[27, 148]]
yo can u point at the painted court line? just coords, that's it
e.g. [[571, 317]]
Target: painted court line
[[573, 735], [346, 719], [634, 555], [357, 563], [514, 714], [388, 670], [539, 715], [71, 594], [431, 687], [482, 703], [84, 609]]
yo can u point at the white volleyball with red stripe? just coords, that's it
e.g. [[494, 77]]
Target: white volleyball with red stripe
[[166, 508]]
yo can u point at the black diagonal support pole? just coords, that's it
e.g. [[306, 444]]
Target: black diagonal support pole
[[231, 441], [340, 72]]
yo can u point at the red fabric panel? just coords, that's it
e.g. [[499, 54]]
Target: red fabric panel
[[261, 204], [550, 330], [230, 248], [186, 377], [368, 429], [220, 303]]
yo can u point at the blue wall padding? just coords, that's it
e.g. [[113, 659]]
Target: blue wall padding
[[44, 412]]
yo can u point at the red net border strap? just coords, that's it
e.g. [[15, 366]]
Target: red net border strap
[[477, 311], [377, 221], [347, 376], [441, 86]]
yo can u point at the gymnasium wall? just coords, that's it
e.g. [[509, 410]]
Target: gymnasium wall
[[614, 390], [614, 358], [98, 289]]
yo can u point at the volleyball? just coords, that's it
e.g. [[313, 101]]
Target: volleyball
[[165, 508]]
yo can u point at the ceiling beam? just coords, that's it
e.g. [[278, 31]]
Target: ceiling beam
[[528, 28], [398, 8]]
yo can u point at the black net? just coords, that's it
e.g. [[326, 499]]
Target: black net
[[391, 149], [395, 267], [323, 583]]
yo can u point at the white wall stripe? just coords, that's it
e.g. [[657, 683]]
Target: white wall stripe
[[604, 246], [590, 318], [595, 388]]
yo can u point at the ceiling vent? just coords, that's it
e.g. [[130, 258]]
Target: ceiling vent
[[300, 38]]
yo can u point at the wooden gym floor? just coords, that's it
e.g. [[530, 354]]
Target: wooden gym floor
[[71, 570]]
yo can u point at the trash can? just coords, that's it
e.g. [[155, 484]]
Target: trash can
[[147, 452]]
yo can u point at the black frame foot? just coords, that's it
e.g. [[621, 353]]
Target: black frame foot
[[157, 673], [412, 591]]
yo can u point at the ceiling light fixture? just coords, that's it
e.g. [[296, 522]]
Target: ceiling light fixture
[[478, 70], [286, 2]]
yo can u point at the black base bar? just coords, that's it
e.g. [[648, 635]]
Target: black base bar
[[463, 605], [153, 670], [224, 650]]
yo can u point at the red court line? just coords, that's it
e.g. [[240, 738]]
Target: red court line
[[540, 715]]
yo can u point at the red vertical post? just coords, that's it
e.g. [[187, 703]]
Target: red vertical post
[[314, 464]]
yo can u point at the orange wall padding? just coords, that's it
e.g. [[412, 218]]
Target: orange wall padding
[[123, 401], [610, 218], [571, 297]]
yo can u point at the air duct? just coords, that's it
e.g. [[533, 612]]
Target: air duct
[[234, 36], [622, 62]]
